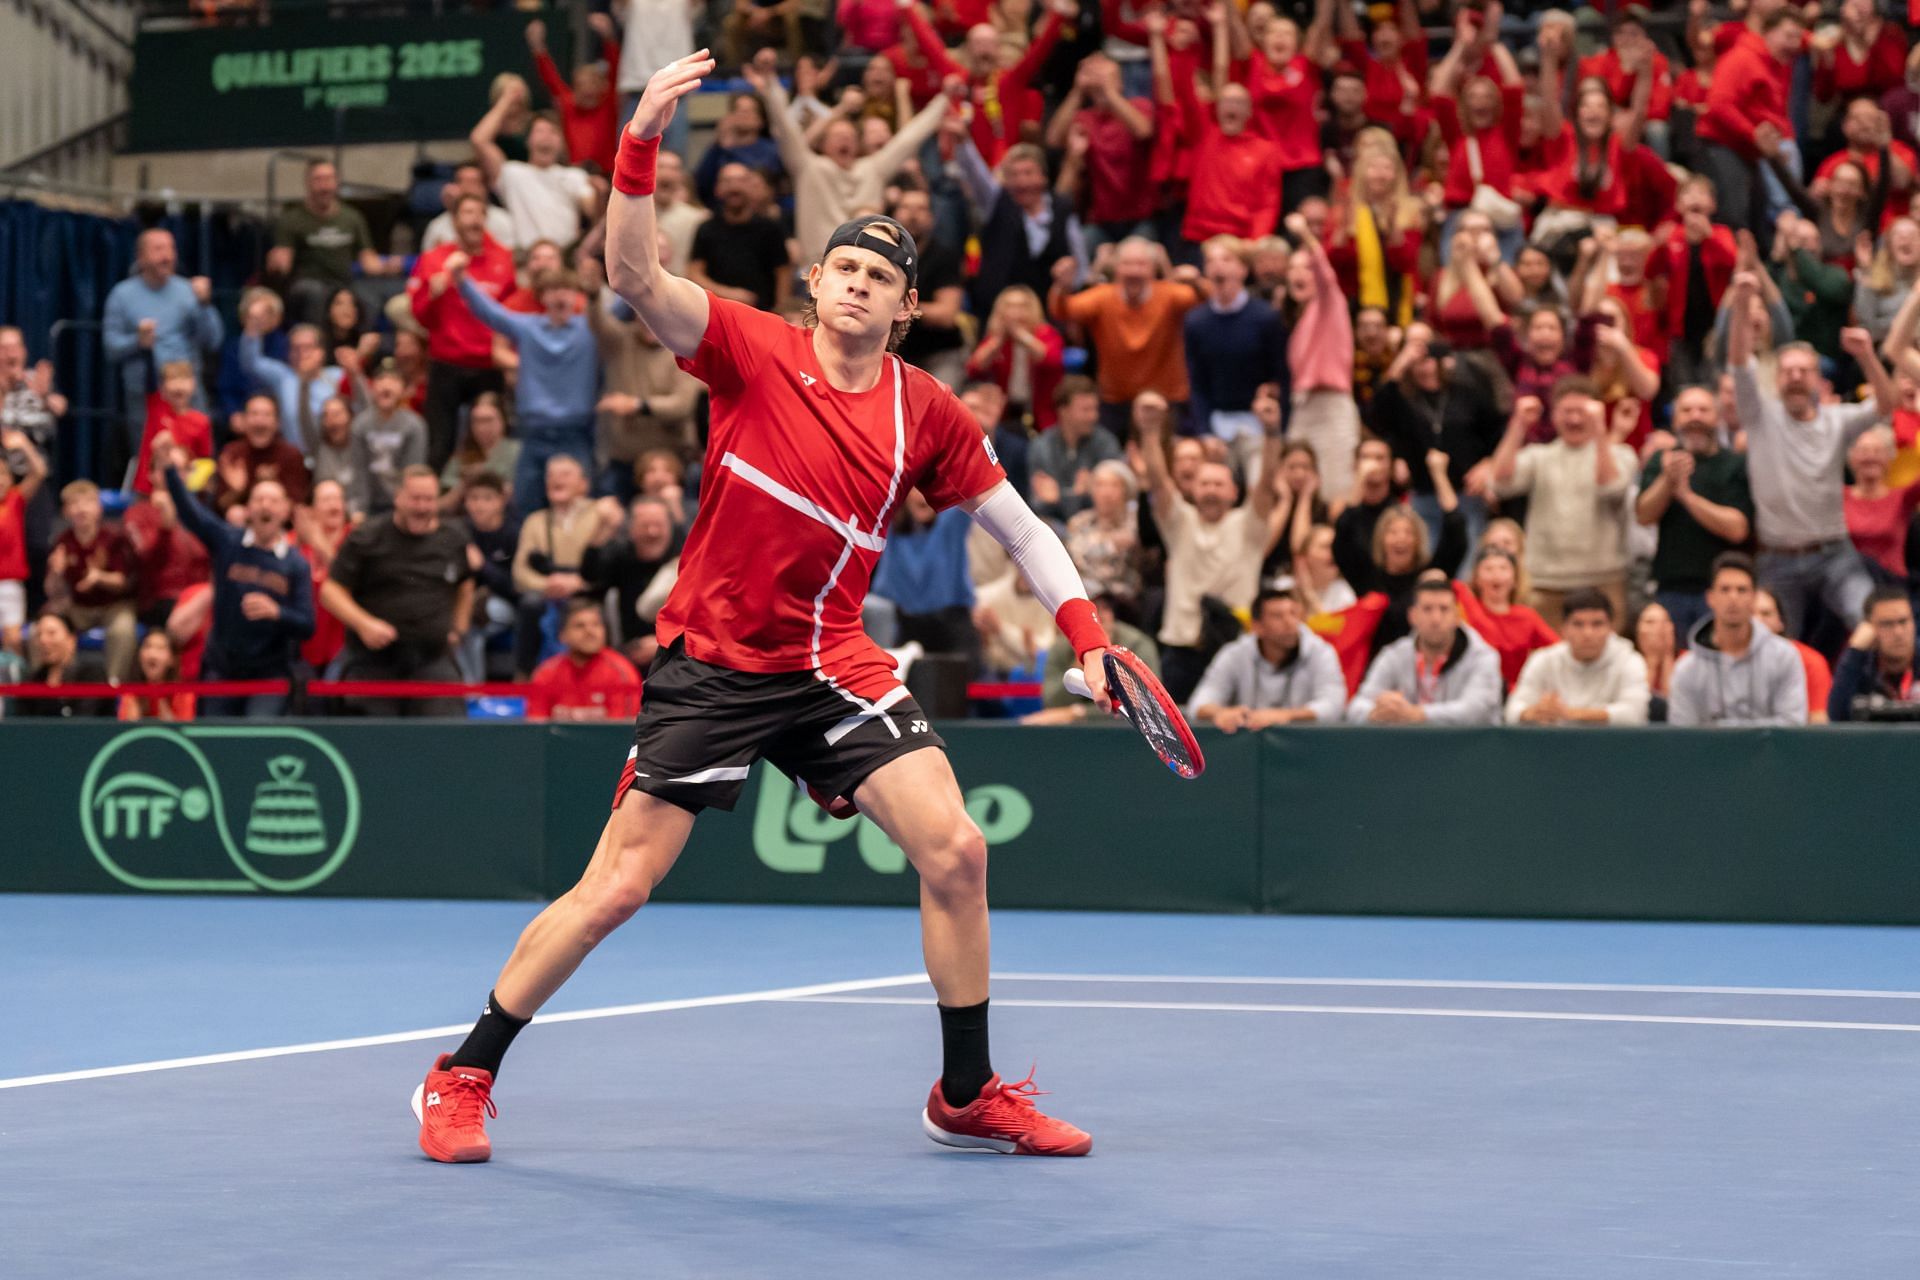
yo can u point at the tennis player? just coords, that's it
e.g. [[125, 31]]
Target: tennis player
[[818, 432]]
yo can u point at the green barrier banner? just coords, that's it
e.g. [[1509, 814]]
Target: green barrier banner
[[303, 80], [1789, 825], [273, 808], [1782, 825], [1073, 818]]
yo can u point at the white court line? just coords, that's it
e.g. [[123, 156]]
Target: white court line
[[435, 1033], [1390, 1011], [1445, 984]]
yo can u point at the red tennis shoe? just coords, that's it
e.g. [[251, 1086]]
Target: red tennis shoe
[[1004, 1119], [453, 1106]]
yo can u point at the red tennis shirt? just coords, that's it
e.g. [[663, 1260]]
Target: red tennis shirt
[[800, 488]]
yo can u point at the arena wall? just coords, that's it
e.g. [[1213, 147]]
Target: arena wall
[[1755, 826]]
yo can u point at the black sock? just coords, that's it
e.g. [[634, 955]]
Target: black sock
[[487, 1043], [966, 1069]]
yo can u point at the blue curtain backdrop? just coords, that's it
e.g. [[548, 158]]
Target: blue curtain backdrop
[[56, 268]]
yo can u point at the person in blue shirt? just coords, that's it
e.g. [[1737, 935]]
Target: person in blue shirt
[[302, 383], [262, 594], [1235, 342], [154, 317], [558, 390], [923, 573]]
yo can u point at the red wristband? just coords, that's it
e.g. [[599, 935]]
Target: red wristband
[[1081, 626], [633, 166]]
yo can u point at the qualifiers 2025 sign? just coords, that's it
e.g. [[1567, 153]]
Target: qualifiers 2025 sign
[[304, 81]]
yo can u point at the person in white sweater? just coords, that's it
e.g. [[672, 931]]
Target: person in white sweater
[[1577, 511], [832, 187], [1591, 677]]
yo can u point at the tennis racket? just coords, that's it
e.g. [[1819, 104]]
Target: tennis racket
[[1147, 705]]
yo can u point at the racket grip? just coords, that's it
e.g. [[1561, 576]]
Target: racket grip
[[1076, 683]]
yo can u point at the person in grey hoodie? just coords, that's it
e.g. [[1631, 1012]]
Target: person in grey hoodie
[[1591, 677], [1280, 673], [1736, 673], [1440, 674]]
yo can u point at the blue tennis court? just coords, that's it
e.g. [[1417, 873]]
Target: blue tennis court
[[198, 1087]]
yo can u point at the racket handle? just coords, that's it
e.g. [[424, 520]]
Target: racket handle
[[1076, 683]]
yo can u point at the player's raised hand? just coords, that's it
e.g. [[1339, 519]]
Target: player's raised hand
[[663, 93]]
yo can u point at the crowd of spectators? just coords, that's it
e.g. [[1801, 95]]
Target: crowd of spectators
[[1418, 361]]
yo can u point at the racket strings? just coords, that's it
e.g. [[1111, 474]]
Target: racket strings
[[1144, 709]]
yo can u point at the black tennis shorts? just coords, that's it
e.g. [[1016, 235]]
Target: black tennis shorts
[[701, 727]]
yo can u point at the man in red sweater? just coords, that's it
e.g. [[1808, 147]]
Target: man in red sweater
[[587, 682], [459, 348], [1231, 188], [589, 111], [1745, 124], [1108, 138], [1002, 94]]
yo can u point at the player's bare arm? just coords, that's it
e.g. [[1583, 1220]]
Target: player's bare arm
[[673, 308]]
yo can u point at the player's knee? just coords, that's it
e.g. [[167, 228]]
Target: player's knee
[[611, 902], [955, 866], [612, 899]]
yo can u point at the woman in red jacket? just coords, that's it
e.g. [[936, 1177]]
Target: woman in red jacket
[[1021, 354], [1488, 602]]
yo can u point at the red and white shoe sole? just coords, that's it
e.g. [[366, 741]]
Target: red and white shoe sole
[[968, 1142], [452, 1155]]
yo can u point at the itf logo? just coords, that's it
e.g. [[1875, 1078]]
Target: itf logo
[[184, 809]]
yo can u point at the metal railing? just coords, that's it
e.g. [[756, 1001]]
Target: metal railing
[[110, 132]]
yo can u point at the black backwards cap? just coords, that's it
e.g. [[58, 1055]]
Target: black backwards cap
[[905, 255]]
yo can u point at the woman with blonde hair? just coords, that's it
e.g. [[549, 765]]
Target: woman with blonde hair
[[1401, 553], [1878, 512], [1881, 286], [1376, 231], [1317, 574], [1506, 534], [1021, 354]]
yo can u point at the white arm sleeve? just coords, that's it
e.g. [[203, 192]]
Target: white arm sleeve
[[1032, 545]]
